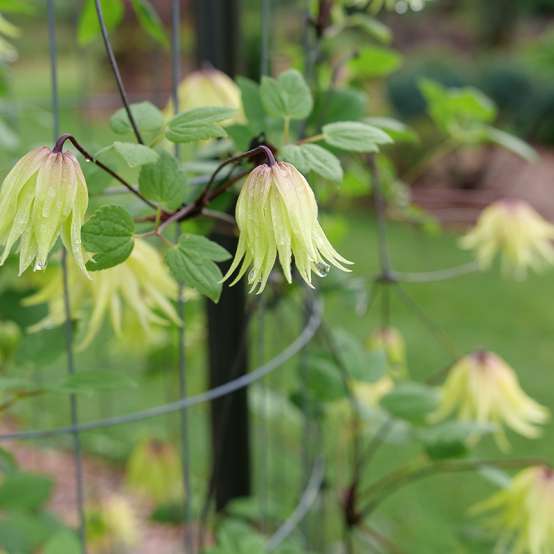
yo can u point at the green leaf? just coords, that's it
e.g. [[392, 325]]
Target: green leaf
[[511, 143], [192, 263], [150, 21], [88, 28], [41, 348], [63, 542], [323, 380], [410, 401], [149, 119], [91, 381], [398, 131], [198, 124], [252, 104], [241, 135], [334, 105], [373, 62], [311, 157], [163, 181], [287, 96], [355, 136], [135, 155], [109, 235], [372, 26], [16, 6], [24, 491], [450, 439]]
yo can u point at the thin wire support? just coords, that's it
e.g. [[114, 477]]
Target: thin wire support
[[217, 392], [307, 500], [438, 275], [74, 412], [181, 361], [115, 70]]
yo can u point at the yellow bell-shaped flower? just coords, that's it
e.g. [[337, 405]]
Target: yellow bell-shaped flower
[[276, 215]]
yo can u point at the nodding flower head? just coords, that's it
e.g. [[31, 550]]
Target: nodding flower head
[[524, 512], [138, 290], [390, 341], [276, 215], [517, 232], [208, 87], [482, 387], [43, 197]]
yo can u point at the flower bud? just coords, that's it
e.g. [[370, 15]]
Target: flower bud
[[138, 288], [276, 214], [10, 335], [516, 231], [43, 196], [482, 387], [391, 342], [154, 469], [208, 87], [112, 525], [524, 512]]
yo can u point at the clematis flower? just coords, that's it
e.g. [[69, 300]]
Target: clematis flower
[[136, 289], [516, 231], [112, 525], [208, 87], [276, 214], [524, 512], [154, 470], [482, 387], [43, 196]]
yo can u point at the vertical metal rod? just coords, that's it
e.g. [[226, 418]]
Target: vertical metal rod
[[74, 413], [185, 445]]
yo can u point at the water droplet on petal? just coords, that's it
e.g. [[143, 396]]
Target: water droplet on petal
[[39, 266]]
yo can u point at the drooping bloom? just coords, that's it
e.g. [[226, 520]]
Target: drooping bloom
[[524, 512], [483, 388], [390, 341], [154, 470], [112, 525], [43, 197], [135, 291], [208, 87], [276, 215], [517, 232]]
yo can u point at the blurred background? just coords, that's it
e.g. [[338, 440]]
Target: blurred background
[[505, 49]]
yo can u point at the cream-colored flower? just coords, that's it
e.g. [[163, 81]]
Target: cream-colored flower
[[208, 87], [482, 387], [140, 288], [44, 196], [112, 525], [369, 394], [154, 469], [517, 232], [524, 512], [276, 214]]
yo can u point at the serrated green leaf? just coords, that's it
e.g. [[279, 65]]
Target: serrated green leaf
[[135, 155], [63, 542], [410, 401], [198, 124], [108, 234], [338, 104], [150, 21], [355, 136], [398, 131], [88, 28], [24, 491], [192, 263], [287, 96], [374, 62], [90, 381], [311, 157], [163, 181], [252, 104], [149, 119]]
